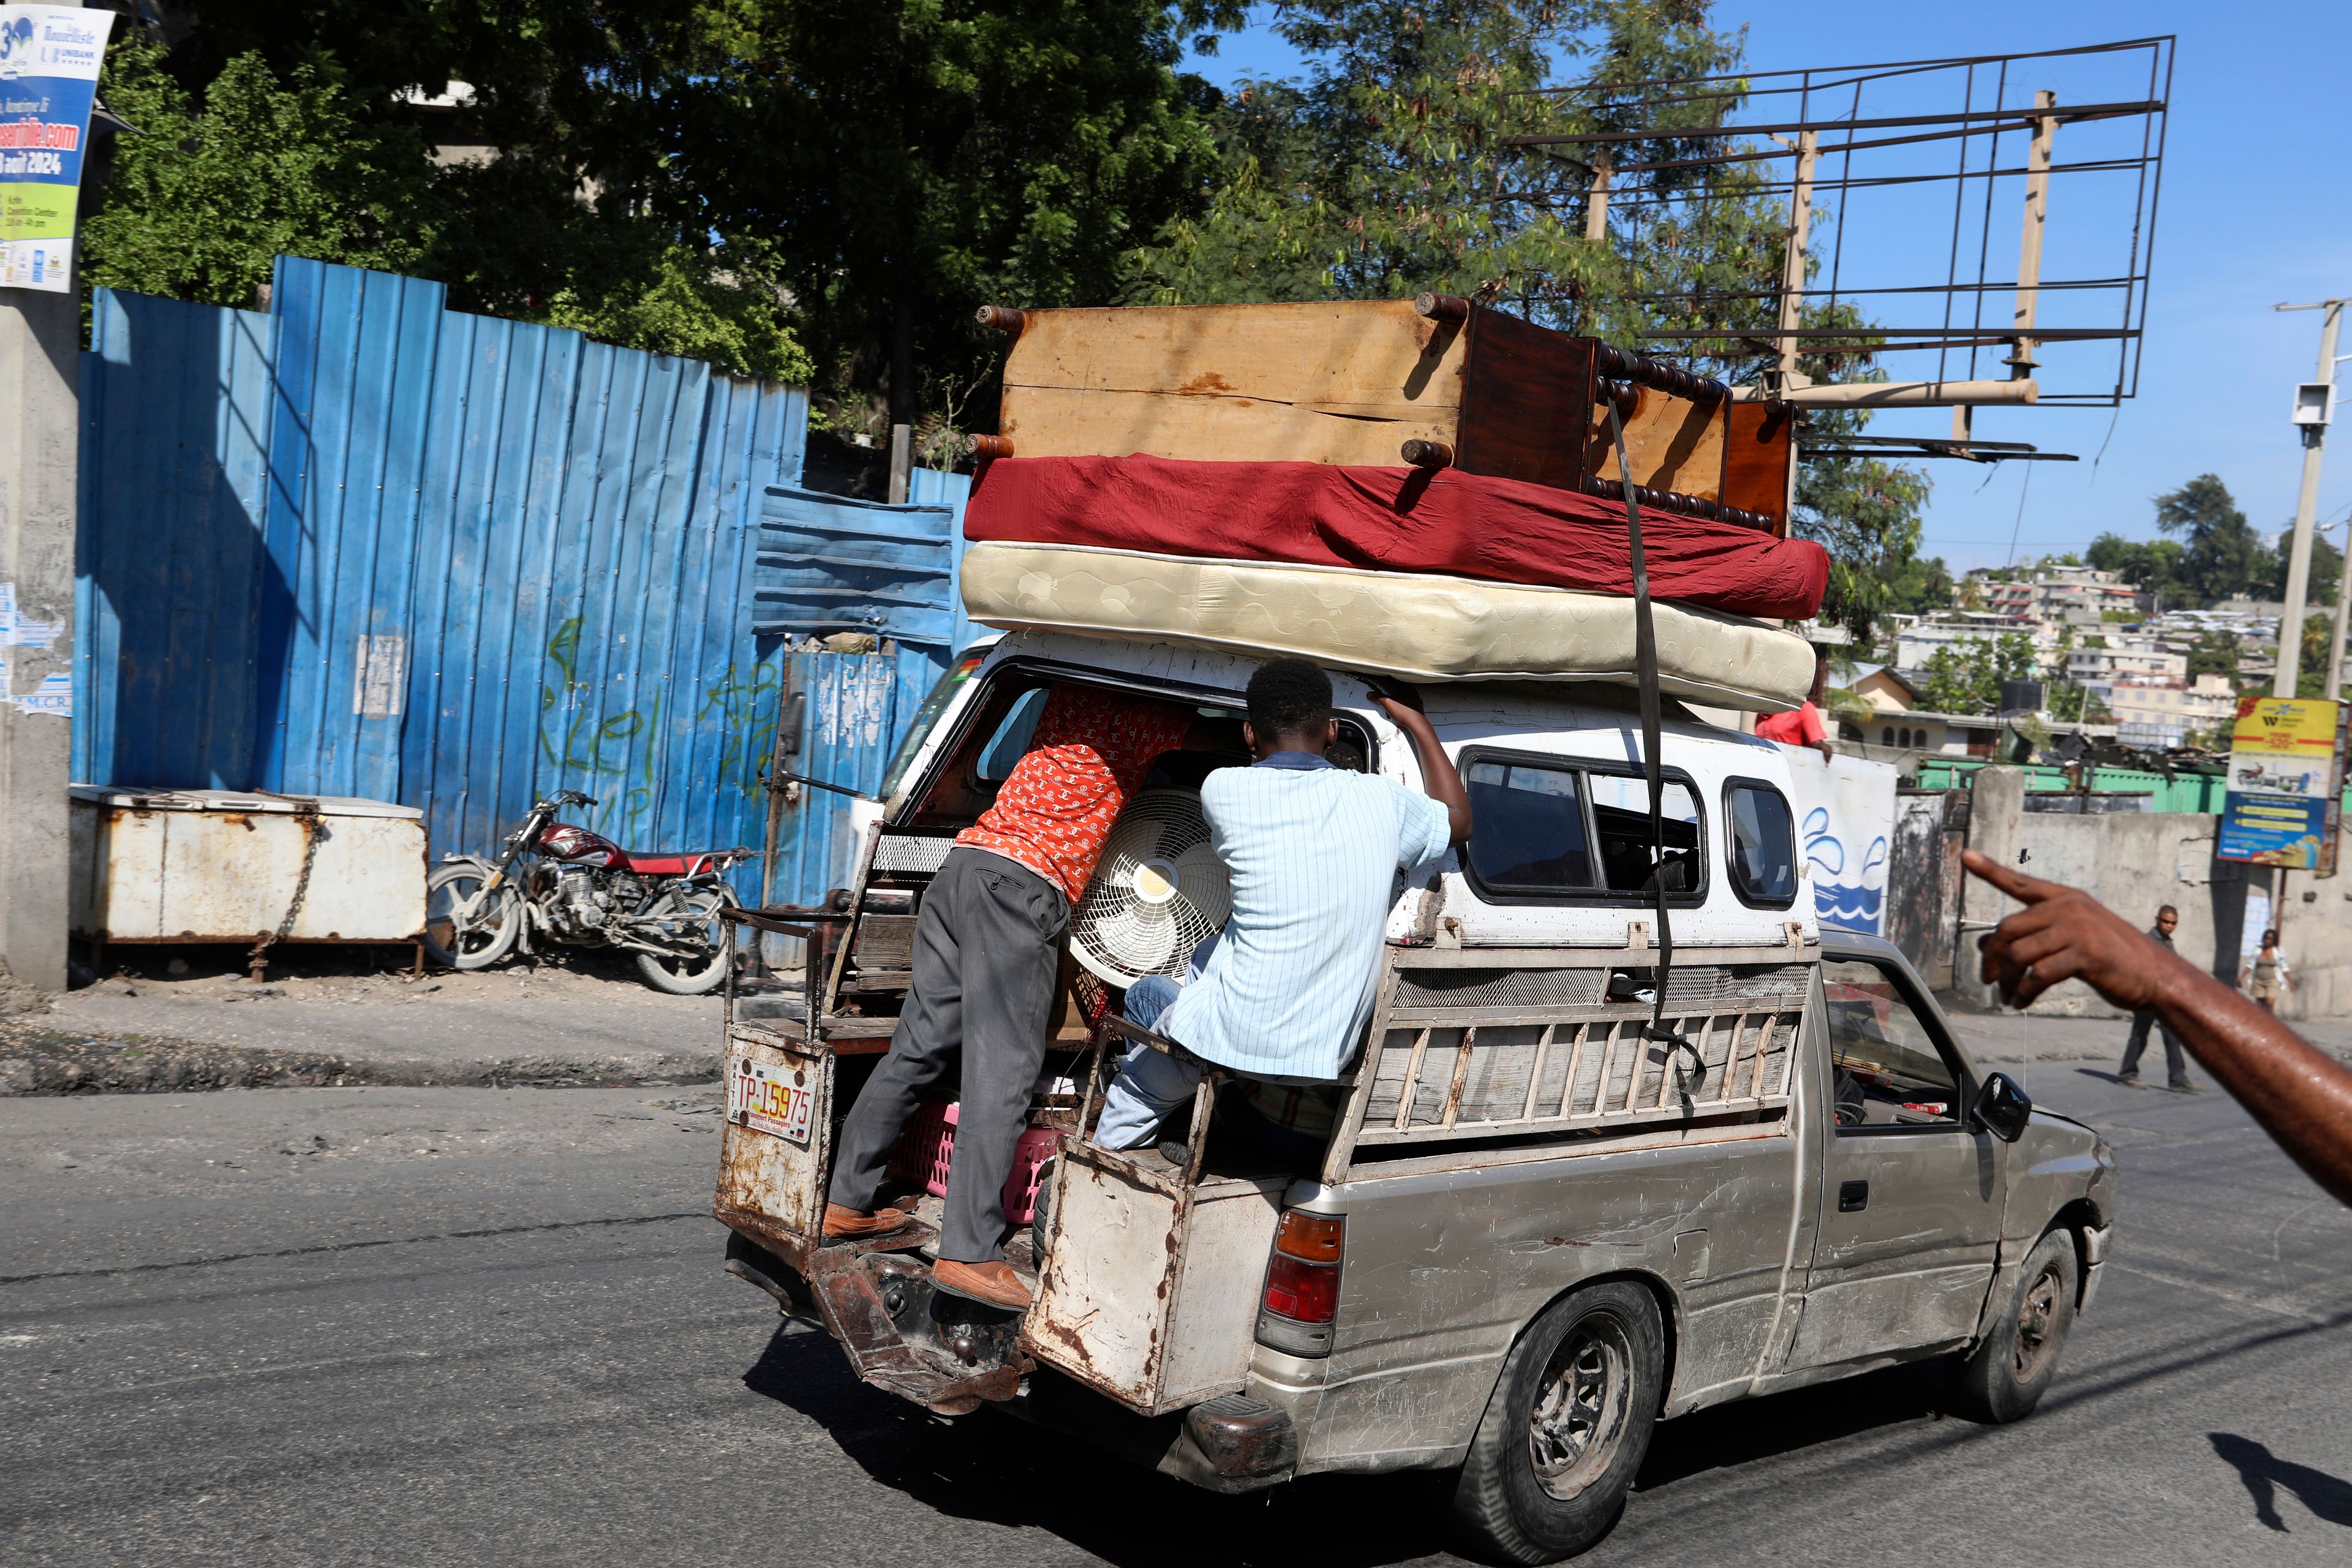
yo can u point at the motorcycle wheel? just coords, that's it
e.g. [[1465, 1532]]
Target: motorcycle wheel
[[478, 943], [691, 912]]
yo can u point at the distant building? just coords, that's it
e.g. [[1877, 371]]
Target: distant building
[[2094, 666], [2166, 713], [1897, 722]]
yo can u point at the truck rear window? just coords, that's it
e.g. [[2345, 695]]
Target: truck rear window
[[1549, 830]]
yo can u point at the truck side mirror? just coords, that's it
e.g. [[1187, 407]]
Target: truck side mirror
[[2002, 1108]]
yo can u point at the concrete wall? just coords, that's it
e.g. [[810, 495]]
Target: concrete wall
[[2135, 862]]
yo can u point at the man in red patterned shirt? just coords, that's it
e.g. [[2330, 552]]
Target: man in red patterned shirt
[[987, 953]]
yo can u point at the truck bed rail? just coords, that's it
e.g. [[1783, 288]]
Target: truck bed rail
[[1499, 1043]]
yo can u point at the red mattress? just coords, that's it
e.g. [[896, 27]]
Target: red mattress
[[1393, 520]]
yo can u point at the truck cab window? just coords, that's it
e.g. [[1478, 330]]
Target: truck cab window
[[1763, 844], [1621, 823], [1011, 742], [1887, 1070], [1528, 835], [949, 686]]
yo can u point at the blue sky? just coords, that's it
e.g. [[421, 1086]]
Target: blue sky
[[2256, 208]]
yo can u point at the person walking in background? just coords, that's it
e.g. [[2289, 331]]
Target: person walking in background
[[2176, 1064], [1805, 727], [2267, 977]]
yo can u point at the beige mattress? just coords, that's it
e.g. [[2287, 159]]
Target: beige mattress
[[1421, 627]]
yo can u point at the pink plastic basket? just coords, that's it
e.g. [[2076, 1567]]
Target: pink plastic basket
[[927, 1145]]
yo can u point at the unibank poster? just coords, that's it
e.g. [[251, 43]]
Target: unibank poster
[[49, 56]]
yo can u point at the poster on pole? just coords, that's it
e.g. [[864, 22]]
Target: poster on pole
[[49, 56], [2286, 777]]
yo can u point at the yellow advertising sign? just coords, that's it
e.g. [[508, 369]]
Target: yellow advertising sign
[[2285, 726], [2285, 774]]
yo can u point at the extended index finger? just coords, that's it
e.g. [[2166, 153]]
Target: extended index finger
[[2016, 884]]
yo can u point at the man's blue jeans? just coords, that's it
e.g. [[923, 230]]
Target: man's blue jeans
[[1149, 1083]]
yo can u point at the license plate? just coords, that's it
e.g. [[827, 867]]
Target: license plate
[[757, 1099]]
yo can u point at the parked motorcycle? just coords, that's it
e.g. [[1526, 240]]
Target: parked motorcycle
[[567, 885]]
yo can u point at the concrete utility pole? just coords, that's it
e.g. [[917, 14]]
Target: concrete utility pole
[[1792, 262], [2311, 413], [41, 416], [2028, 244], [1596, 205]]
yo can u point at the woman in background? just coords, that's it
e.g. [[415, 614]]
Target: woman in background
[[2267, 978]]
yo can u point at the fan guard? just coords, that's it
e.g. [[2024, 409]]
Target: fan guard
[[1158, 891]]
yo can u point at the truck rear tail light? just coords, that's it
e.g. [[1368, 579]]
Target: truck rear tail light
[[1310, 1237], [1302, 1284], [1303, 1292]]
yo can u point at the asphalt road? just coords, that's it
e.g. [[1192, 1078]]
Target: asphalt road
[[433, 1325]]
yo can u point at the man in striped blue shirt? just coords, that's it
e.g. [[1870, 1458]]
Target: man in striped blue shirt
[[1313, 851]]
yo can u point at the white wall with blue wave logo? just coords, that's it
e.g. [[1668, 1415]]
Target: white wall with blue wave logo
[[1845, 829]]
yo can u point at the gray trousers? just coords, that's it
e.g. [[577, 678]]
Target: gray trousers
[[2176, 1066], [986, 956]]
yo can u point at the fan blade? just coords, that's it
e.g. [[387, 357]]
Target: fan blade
[[1139, 937], [1203, 881]]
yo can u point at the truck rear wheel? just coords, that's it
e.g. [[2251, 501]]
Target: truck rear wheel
[[1566, 1427], [2006, 1376]]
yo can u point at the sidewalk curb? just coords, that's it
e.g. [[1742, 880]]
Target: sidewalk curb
[[39, 1061]]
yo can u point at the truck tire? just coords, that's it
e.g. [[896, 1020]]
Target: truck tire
[[2005, 1377], [1566, 1427]]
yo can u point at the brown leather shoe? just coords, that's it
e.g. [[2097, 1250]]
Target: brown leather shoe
[[847, 1224], [992, 1284]]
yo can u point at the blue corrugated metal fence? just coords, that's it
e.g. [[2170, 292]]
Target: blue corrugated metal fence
[[366, 545]]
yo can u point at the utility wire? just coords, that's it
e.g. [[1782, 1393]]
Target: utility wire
[[2022, 491]]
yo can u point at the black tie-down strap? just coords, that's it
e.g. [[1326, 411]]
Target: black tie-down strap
[[1645, 663]]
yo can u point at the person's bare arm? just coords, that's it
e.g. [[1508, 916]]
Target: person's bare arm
[[1401, 703], [2302, 1096]]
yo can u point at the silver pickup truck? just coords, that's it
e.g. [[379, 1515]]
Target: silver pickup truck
[[1535, 1230]]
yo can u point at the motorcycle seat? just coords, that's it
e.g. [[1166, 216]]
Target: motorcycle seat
[[667, 862]]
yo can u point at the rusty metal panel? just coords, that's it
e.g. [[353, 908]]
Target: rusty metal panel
[[761, 1174], [1220, 1274], [1915, 877], [1103, 1297], [211, 866], [1150, 1291], [851, 710]]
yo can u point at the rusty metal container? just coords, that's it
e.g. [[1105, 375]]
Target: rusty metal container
[[200, 864]]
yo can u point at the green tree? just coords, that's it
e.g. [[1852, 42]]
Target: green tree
[[2222, 555], [2215, 653], [2318, 646], [1965, 677], [2153, 566], [736, 178], [1923, 584], [215, 185], [2319, 587], [1393, 168]]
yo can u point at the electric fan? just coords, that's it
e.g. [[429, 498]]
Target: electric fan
[[1158, 891]]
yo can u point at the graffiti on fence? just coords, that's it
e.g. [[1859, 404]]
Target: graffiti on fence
[[579, 740]]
